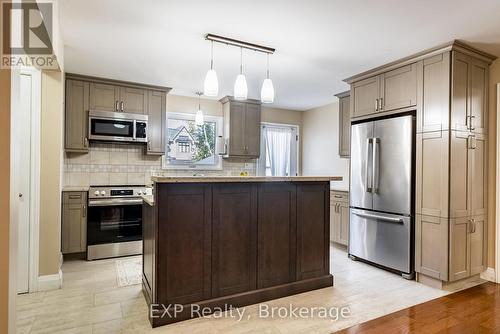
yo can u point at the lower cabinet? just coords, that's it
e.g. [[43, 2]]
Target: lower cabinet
[[74, 222], [339, 217]]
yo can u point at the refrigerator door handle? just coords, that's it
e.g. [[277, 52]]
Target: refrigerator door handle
[[372, 216], [375, 164], [369, 185]]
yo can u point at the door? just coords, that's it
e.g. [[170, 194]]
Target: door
[[133, 100], [365, 95], [237, 127], [252, 129], [156, 122], [234, 237], [104, 97], [392, 165], [399, 88], [460, 102], [479, 81], [76, 122], [381, 238], [361, 165], [478, 251]]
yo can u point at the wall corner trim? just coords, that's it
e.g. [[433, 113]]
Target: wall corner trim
[[489, 275], [50, 282]]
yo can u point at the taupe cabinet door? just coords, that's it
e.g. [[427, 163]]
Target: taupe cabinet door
[[252, 130], [74, 222], [104, 97], [470, 94], [364, 96], [77, 106], [399, 88], [133, 100], [339, 217], [344, 127], [237, 129], [157, 103]]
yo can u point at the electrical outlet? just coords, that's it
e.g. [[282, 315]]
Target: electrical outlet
[[248, 165]]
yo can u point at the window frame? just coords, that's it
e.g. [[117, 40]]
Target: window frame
[[218, 120], [261, 162]]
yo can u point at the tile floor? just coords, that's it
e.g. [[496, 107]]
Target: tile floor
[[91, 302]]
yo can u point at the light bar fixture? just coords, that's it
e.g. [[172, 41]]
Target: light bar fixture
[[238, 43]]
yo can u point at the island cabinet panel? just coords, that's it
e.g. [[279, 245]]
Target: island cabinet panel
[[219, 244], [313, 230], [234, 233], [184, 252], [277, 235]]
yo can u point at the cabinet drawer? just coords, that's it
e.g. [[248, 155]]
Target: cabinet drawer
[[74, 197], [339, 196]]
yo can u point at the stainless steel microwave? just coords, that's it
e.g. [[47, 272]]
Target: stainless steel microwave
[[118, 126]]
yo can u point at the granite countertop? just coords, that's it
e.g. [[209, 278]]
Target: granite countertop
[[75, 188], [148, 199], [229, 179]]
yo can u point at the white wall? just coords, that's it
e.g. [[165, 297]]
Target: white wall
[[320, 144]]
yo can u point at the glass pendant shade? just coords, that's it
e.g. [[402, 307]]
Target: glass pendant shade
[[240, 88], [267, 91], [211, 85], [199, 119]]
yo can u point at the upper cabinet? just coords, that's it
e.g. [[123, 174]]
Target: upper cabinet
[[77, 106], [241, 128], [396, 89], [89, 93], [344, 124]]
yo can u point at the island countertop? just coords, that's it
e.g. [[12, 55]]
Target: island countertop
[[230, 179]]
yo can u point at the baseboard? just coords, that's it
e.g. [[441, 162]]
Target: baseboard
[[489, 275], [50, 282]]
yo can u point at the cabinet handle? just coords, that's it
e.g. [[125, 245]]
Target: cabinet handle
[[381, 103], [86, 142], [121, 106], [84, 213], [116, 105], [337, 196], [471, 122], [149, 145], [376, 105]]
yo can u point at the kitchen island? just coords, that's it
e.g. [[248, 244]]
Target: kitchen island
[[212, 243]]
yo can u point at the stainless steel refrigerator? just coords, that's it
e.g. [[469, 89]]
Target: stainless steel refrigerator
[[381, 187]]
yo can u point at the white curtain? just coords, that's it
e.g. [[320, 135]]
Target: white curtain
[[278, 142]]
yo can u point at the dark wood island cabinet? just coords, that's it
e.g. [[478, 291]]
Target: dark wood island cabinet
[[231, 241]]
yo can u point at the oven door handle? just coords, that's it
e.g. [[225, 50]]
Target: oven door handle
[[115, 201]]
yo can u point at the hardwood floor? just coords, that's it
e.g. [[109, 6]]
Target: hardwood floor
[[474, 310]]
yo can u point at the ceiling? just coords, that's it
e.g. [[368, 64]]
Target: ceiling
[[318, 42]]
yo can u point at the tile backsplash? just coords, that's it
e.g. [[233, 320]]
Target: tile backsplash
[[115, 164]]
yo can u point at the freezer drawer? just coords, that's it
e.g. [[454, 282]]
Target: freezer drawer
[[381, 238]]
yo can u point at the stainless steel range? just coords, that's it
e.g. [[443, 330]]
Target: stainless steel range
[[114, 222]]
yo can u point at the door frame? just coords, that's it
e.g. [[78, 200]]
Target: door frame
[[262, 147], [497, 206], [35, 132]]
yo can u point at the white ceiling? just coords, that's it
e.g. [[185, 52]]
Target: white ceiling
[[318, 42]]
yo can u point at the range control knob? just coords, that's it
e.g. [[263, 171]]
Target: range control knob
[[103, 193], [139, 192], [96, 192]]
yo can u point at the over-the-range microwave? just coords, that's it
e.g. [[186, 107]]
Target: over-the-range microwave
[[118, 126]]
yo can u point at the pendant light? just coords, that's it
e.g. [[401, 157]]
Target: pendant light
[[267, 91], [211, 84], [199, 119], [240, 86]]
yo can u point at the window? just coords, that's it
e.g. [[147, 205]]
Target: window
[[190, 146], [279, 154]]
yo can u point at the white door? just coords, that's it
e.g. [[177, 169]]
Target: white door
[[25, 105], [278, 150]]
